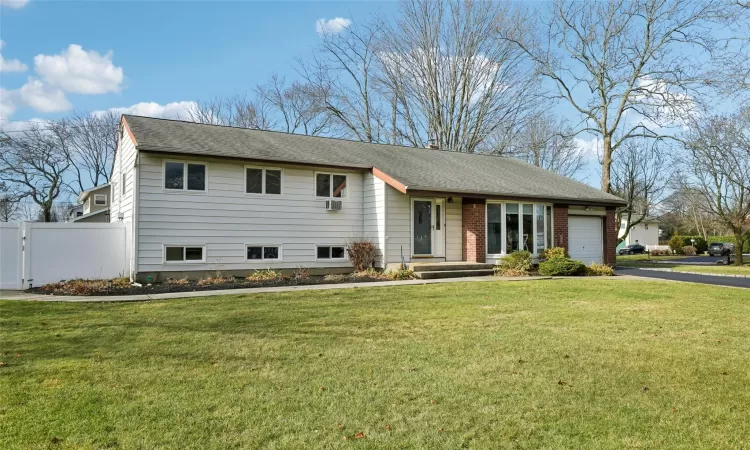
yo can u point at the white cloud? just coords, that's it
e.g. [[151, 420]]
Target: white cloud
[[42, 97], [172, 110], [11, 65], [15, 4], [80, 71], [332, 26], [592, 149], [7, 107]]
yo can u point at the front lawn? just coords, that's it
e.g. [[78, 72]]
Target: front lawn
[[717, 269], [557, 363]]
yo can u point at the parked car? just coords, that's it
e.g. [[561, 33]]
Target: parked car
[[720, 248], [632, 249]]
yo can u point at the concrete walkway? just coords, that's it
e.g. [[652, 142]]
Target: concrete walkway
[[20, 295]]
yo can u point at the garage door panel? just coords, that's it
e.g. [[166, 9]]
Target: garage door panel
[[585, 238]]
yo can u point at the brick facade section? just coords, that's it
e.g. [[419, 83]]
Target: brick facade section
[[610, 237], [560, 224], [473, 229]]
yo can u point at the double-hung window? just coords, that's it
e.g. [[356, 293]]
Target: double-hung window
[[184, 176], [100, 199], [330, 185], [261, 180]]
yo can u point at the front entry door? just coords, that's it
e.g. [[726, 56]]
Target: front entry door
[[422, 224]]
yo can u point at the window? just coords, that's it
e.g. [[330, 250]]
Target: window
[[539, 239], [122, 185], [176, 174], [262, 181], [264, 253], [79, 213], [100, 199], [330, 185], [511, 228], [528, 228], [437, 217], [494, 228], [180, 253], [549, 227], [333, 252]]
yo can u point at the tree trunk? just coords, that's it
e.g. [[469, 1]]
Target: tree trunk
[[47, 213], [606, 164], [739, 242]]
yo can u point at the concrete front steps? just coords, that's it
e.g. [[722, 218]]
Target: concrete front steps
[[432, 271]]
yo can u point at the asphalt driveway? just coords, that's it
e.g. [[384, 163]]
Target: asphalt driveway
[[680, 276]]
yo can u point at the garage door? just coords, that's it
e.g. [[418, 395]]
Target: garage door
[[585, 241]]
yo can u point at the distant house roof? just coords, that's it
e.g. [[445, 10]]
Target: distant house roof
[[408, 169], [93, 213], [84, 194]]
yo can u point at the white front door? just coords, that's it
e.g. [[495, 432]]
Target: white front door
[[585, 238]]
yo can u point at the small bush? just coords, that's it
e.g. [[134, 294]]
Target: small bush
[[302, 273], [514, 264], [689, 250], [660, 252], [337, 278], [554, 252], [371, 273], [401, 274], [265, 275], [599, 270], [561, 267], [210, 281], [178, 281], [677, 243], [361, 253], [85, 287]]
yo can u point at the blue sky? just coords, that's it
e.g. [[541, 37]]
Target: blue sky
[[151, 58]]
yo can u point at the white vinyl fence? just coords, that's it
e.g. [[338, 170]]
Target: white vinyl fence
[[41, 253]]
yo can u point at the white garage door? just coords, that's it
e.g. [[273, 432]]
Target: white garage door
[[585, 241]]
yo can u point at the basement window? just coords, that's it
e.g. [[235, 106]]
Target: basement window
[[264, 253], [331, 252], [183, 254]]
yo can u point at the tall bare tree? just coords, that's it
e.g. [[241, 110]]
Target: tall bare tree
[[35, 161], [638, 177], [628, 68], [299, 105], [10, 204], [344, 74], [719, 165], [91, 148], [236, 111], [453, 80]]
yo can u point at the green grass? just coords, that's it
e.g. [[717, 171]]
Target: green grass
[[720, 269], [557, 363]]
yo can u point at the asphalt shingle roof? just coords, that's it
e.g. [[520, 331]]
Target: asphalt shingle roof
[[419, 169]]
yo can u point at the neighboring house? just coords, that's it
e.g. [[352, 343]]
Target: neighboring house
[[645, 233], [95, 205], [203, 198], [75, 211]]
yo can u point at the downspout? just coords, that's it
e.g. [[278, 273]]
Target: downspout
[[136, 207]]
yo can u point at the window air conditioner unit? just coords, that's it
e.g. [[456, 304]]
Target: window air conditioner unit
[[334, 205]]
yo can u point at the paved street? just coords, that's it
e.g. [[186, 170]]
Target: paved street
[[678, 276]]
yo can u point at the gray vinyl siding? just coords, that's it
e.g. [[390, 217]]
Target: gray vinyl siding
[[398, 225], [225, 219], [374, 213], [453, 232]]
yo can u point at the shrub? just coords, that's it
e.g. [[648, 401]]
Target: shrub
[[689, 250], [677, 243], [371, 273], [555, 252], [337, 278], [599, 270], [558, 267], [178, 281], [514, 264], [301, 273], [361, 253], [660, 252], [85, 287], [401, 274], [213, 280], [265, 275]]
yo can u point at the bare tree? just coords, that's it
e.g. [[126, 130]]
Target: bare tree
[[638, 177], [91, 148], [628, 68], [453, 81], [719, 166], [234, 111], [34, 162], [343, 74], [10, 204], [299, 105], [544, 142]]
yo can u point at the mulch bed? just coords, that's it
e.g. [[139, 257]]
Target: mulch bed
[[190, 286]]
